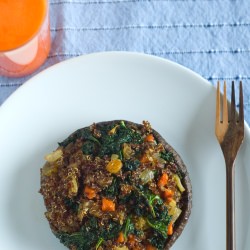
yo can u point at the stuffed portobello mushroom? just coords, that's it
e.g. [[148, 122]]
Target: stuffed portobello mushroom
[[116, 185]]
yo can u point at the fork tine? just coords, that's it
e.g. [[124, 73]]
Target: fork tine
[[233, 109], [218, 103], [241, 108], [225, 109]]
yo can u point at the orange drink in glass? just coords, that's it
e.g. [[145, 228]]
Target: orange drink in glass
[[24, 36]]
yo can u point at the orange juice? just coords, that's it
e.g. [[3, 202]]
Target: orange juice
[[24, 36]]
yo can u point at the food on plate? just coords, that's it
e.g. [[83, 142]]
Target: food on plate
[[116, 185]]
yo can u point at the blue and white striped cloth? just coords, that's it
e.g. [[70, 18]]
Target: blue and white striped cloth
[[211, 37]]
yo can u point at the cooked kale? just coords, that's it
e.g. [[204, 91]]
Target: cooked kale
[[167, 156], [89, 148], [108, 144], [114, 189], [84, 239], [71, 204], [129, 227], [159, 226], [111, 231], [92, 234], [131, 165], [127, 135], [128, 178], [99, 242], [84, 134], [151, 199], [143, 202], [139, 205], [157, 217], [111, 144], [138, 233], [157, 240], [75, 239], [160, 222]]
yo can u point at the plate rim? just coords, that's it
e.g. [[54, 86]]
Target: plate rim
[[30, 81]]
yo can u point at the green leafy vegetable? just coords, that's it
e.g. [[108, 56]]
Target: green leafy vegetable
[[83, 239], [84, 134], [114, 189], [159, 226], [100, 241], [111, 231], [158, 218], [139, 207], [91, 234], [160, 222], [131, 165], [111, 144], [150, 199], [143, 201], [167, 156], [75, 239], [157, 240], [71, 204], [127, 135], [89, 147], [107, 144], [138, 233], [129, 227]]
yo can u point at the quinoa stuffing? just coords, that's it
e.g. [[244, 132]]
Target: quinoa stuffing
[[116, 186]]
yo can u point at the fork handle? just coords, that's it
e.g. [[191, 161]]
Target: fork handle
[[230, 206]]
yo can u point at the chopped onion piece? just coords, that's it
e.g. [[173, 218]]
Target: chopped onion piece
[[178, 183], [146, 176]]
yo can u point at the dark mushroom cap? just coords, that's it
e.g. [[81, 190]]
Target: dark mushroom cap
[[186, 199]]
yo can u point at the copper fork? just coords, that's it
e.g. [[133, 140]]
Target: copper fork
[[230, 133]]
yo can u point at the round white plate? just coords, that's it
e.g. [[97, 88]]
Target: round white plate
[[107, 86]]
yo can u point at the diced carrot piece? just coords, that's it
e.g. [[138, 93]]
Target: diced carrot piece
[[144, 159], [108, 205], [170, 228], [120, 238], [163, 180], [131, 239], [89, 192], [169, 199], [149, 138], [150, 247], [168, 193]]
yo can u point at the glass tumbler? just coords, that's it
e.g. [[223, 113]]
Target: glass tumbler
[[24, 36]]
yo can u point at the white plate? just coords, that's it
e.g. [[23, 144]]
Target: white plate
[[106, 86]]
